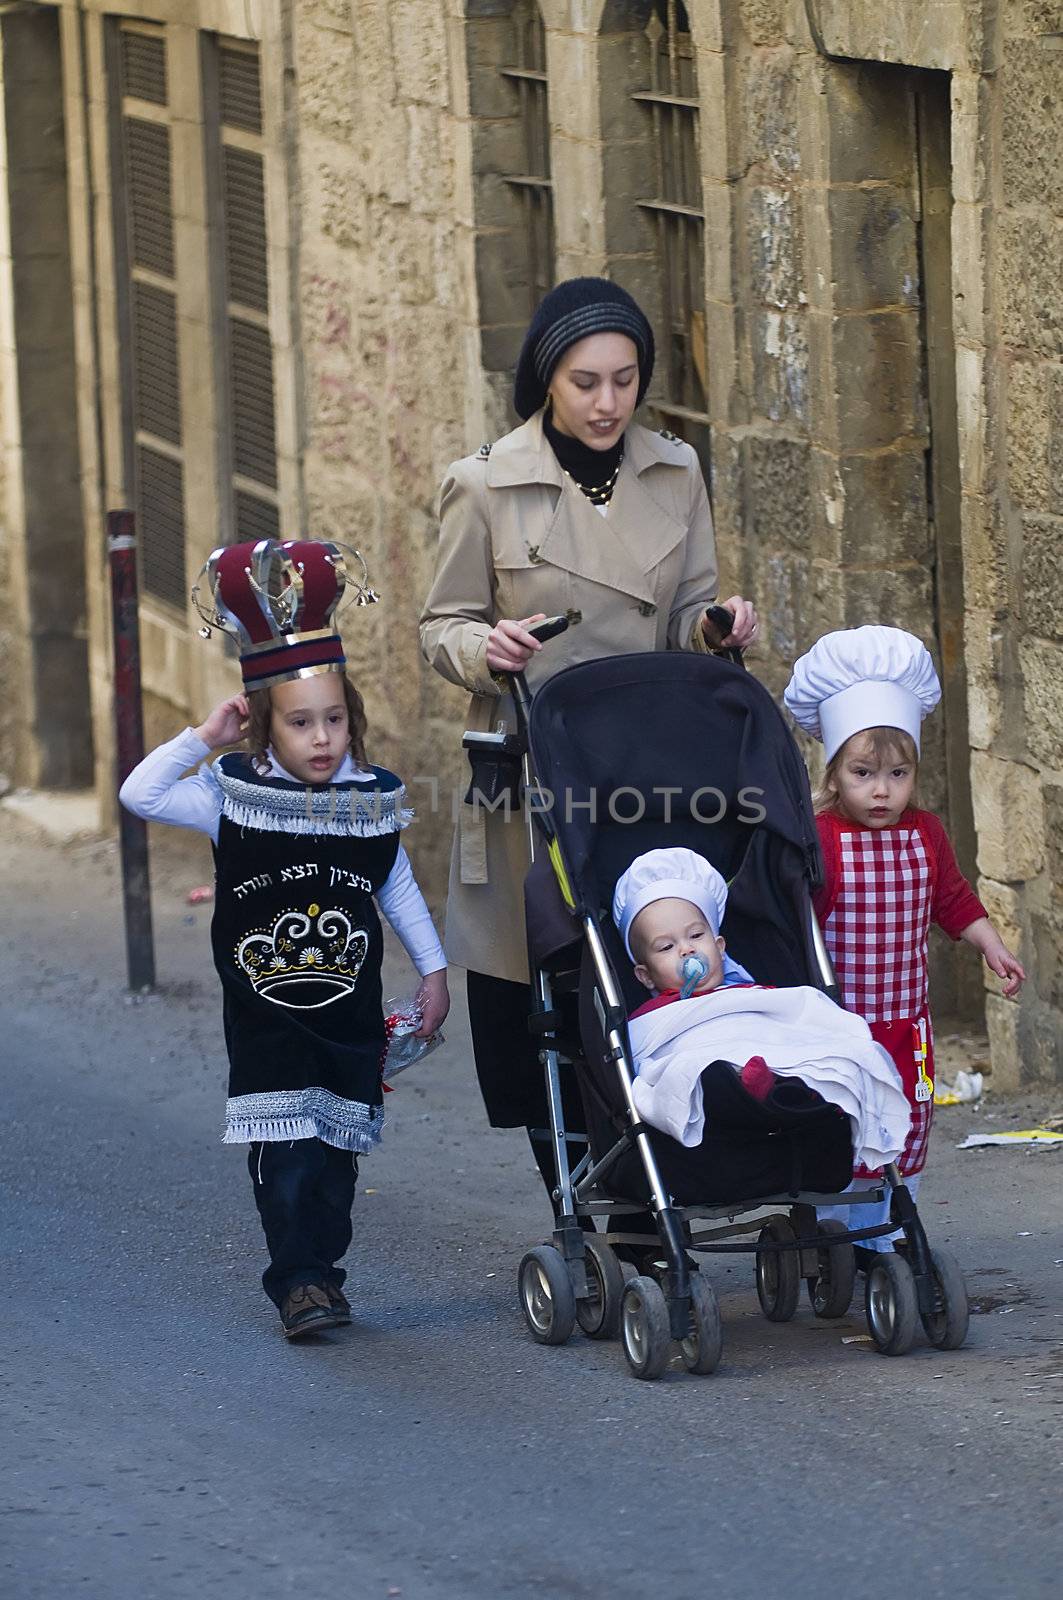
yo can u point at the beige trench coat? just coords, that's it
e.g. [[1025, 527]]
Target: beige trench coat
[[517, 537]]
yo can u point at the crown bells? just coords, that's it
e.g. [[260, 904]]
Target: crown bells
[[279, 600]]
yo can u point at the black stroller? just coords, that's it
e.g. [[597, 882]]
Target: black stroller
[[630, 754]]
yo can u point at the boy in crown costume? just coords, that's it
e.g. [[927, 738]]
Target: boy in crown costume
[[306, 845]]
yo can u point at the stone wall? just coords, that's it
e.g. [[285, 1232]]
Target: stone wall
[[391, 389], [884, 330]]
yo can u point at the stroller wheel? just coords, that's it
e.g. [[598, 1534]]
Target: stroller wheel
[[703, 1346], [831, 1290], [778, 1271], [892, 1304], [546, 1295], [599, 1314], [946, 1328], [644, 1328]]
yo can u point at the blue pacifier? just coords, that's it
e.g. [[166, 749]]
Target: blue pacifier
[[691, 972]]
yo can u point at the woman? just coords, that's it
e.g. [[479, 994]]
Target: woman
[[579, 511]]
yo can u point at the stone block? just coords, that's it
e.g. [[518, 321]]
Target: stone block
[[1005, 907], [874, 249], [1042, 676], [874, 505], [865, 125], [1053, 804], [972, 108], [987, 567], [763, 21], [325, 79], [983, 653], [1031, 125], [1042, 575], [573, 90], [728, 405], [1035, 434], [721, 203], [781, 365], [944, 35], [774, 247], [1029, 249], [798, 599], [771, 143], [973, 420], [419, 47], [1005, 1049], [342, 199], [869, 382], [901, 595], [778, 492], [1047, 938], [1008, 818]]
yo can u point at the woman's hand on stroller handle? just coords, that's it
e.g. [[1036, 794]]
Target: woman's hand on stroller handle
[[511, 645], [732, 625]]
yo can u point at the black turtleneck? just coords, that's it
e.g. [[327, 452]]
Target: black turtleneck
[[590, 468]]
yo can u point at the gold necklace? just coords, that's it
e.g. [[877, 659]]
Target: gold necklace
[[599, 494]]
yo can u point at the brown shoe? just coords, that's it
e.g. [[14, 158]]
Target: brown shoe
[[339, 1303], [308, 1309]]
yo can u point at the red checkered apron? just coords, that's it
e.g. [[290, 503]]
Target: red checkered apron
[[877, 937]]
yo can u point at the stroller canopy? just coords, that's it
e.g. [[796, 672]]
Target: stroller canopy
[[641, 752]]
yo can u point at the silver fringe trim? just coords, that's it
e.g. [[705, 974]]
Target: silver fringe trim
[[346, 812], [303, 1114]]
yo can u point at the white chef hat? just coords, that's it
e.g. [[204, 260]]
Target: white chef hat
[[857, 678], [666, 875]]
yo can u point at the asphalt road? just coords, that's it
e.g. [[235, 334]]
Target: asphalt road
[[160, 1438]]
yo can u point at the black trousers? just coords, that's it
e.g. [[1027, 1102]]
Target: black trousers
[[304, 1191]]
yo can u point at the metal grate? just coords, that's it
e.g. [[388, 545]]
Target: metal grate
[[533, 183], [244, 202], [147, 151], [161, 512], [251, 378], [144, 66], [254, 518], [155, 362], [677, 210], [239, 89]]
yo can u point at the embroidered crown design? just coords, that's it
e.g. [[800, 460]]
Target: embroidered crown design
[[306, 960]]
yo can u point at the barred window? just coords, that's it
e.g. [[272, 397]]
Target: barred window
[[527, 74], [513, 199], [237, 186], [670, 106], [143, 208]]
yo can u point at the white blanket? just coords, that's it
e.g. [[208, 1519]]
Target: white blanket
[[799, 1032]]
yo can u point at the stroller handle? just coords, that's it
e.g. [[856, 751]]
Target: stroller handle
[[549, 629], [722, 620]]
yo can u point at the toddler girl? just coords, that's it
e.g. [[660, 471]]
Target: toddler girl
[[306, 845], [889, 867]]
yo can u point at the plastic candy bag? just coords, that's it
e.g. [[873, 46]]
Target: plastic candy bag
[[402, 1018]]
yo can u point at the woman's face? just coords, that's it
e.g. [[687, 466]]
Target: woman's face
[[594, 388]]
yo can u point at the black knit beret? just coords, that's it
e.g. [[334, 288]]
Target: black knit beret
[[570, 312]]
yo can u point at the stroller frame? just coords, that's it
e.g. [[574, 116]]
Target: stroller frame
[[922, 1284]]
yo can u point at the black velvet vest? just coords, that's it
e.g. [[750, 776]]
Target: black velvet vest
[[297, 944]]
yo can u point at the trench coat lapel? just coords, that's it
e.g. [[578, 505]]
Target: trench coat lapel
[[619, 551]]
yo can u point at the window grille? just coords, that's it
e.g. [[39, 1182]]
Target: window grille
[[239, 184], [145, 251], [533, 184], [676, 209]]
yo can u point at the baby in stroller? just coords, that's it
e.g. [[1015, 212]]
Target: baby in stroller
[[668, 907]]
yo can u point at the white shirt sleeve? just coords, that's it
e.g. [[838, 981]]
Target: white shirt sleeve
[[403, 904], [156, 791]]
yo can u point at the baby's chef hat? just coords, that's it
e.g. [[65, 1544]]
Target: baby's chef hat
[[665, 875], [871, 677]]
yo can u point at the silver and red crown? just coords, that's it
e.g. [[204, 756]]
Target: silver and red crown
[[280, 599]]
